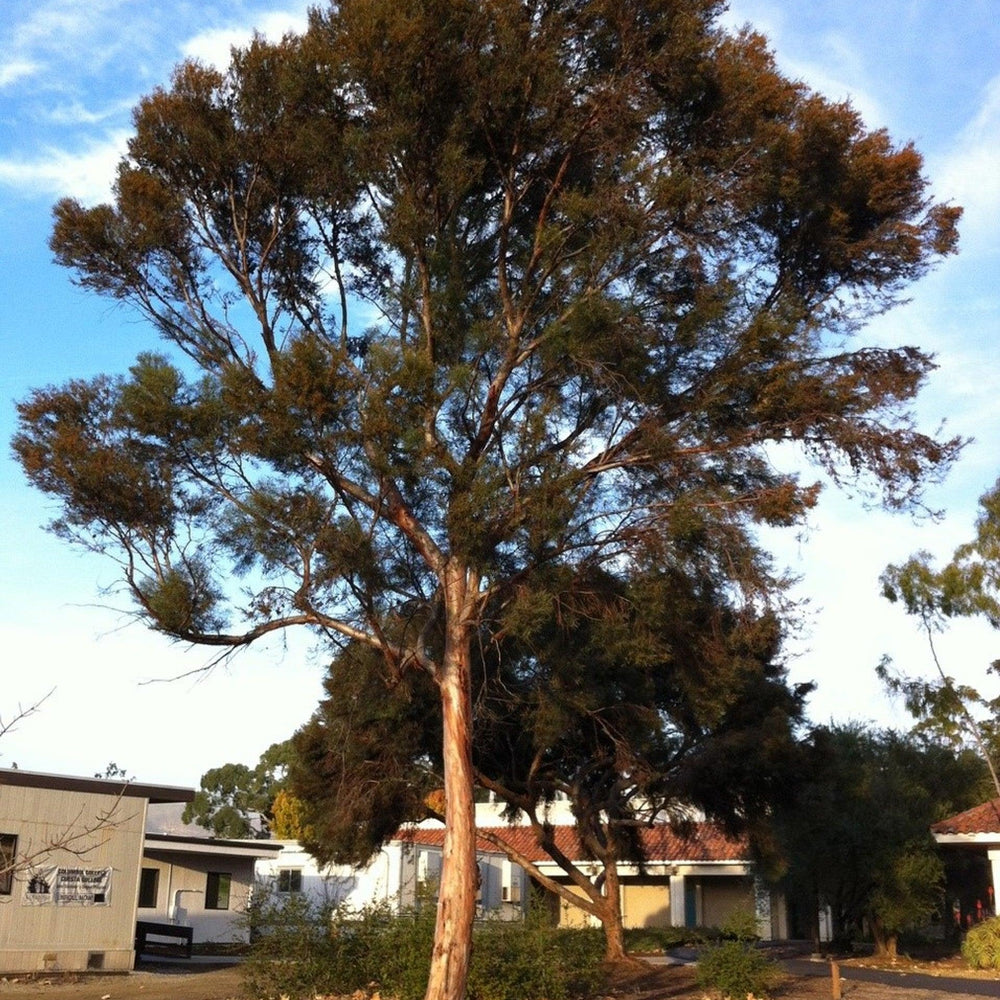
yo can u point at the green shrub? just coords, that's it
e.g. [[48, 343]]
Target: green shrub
[[981, 947], [400, 954], [734, 967], [301, 951], [291, 948], [645, 940], [530, 960]]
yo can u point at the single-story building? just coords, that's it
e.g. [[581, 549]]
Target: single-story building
[[396, 876], [71, 853], [693, 880], [970, 843], [201, 883], [87, 863], [697, 880]]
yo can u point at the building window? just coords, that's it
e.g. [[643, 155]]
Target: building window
[[8, 855], [149, 884], [217, 891], [289, 880]]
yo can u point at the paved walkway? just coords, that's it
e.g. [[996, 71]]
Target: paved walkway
[[803, 966], [908, 980]]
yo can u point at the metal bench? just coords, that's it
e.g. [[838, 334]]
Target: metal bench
[[182, 937]]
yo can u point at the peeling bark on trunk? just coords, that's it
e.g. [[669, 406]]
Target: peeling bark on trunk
[[456, 910], [614, 928]]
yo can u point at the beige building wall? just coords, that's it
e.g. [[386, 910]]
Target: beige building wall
[[643, 905], [573, 916], [724, 895], [646, 905], [70, 829]]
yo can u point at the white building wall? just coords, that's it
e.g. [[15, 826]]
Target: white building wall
[[334, 885], [395, 876], [181, 894]]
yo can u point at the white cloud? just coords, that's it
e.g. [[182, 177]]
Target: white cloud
[[53, 21], [75, 113], [213, 46], [17, 69], [87, 174], [852, 626], [969, 174], [62, 32]]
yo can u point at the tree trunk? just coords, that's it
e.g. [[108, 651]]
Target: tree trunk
[[457, 892], [814, 929], [885, 941], [614, 927]]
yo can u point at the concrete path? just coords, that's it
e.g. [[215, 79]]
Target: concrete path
[[803, 966], [908, 980]]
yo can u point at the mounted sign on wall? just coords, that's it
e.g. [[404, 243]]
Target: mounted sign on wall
[[68, 887]]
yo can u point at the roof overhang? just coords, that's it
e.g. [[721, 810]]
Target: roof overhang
[[657, 868], [14, 777], [969, 839], [205, 845]]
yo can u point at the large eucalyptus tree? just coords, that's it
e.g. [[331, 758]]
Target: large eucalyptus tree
[[461, 289]]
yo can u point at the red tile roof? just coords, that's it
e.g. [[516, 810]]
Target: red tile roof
[[705, 842], [984, 818], [434, 837]]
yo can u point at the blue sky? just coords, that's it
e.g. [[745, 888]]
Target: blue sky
[[70, 72]]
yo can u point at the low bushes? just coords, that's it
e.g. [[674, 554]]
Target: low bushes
[[530, 960], [734, 967], [654, 940], [981, 947], [301, 951]]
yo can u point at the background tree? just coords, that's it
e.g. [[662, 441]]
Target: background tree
[[640, 701], [463, 291], [113, 770], [367, 760], [636, 701], [856, 837], [288, 818], [967, 587], [236, 801]]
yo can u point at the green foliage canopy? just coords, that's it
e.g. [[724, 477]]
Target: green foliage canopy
[[466, 291], [589, 291], [966, 587], [857, 837], [235, 801]]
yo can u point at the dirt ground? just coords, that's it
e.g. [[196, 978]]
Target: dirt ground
[[661, 983]]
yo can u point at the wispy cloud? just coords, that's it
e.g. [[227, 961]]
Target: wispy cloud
[[52, 20], [74, 112], [213, 47], [18, 69], [969, 173], [90, 58], [60, 32], [86, 174]]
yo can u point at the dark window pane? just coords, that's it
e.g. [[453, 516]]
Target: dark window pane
[[8, 857], [149, 884], [289, 880], [217, 891]]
